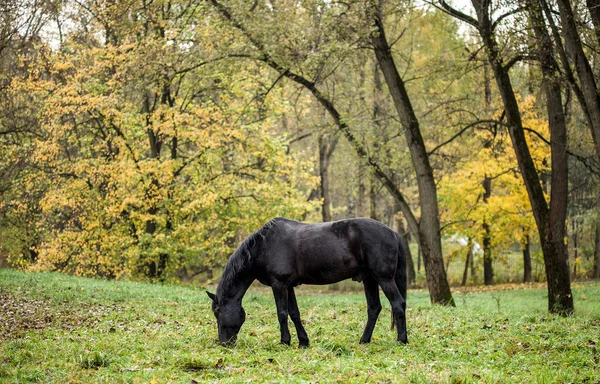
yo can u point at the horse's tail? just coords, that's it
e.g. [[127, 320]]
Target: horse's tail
[[400, 278]]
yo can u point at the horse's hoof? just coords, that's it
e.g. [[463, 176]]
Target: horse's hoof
[[284, 343], [303, 345], [364, 341], [405, 341]]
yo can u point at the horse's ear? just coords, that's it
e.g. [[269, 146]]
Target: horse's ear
[[212, 296]]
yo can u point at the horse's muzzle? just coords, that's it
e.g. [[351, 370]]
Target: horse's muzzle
[[230, 343]]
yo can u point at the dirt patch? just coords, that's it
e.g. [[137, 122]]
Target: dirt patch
[[4, 260], [20, 315]]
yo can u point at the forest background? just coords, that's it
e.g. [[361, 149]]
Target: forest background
[[144, 139]]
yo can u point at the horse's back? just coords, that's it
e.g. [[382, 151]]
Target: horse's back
[[326, 253]]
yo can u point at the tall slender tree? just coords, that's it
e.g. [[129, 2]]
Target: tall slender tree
[[550, 218], [579, 60], [429, 226]]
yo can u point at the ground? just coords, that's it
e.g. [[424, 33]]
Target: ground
[[57, 328]]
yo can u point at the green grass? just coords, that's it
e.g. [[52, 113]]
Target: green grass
[[57, 328]]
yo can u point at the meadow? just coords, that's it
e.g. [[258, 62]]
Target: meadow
[[59, 328]]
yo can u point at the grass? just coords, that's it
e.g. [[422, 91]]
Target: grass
[[57, 328]]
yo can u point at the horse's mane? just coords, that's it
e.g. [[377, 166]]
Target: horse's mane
[[241, 258]]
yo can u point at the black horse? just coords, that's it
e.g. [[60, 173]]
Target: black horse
[[285, 253]]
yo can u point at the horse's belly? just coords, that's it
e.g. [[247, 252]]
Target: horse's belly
[[328, 270], [324, 256]]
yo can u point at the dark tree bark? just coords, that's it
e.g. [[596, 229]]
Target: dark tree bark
[[360, 198], [467, 262], [582, 65], [525, 247], [378, 132], [410, 265], [163, 258], [326, 148], [429, 225], [566, 66], [155, 145], [575, 237], [594, 9], [488, 268], [156, 268], [373, 199], [597, 251], [473, 277], [560, 299], [550, 219]]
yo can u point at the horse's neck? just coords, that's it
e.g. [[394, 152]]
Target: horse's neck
[[237, 287]]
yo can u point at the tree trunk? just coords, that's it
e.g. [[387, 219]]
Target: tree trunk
[[360, 199], [487, 86], [373, 199], [550, 220], [594, 9], [410, 265], [467, 261], [156, 268], [155, 145], [324, 157], [525, 247], [566, 66], [377, 133], [582, 67], [488, 268], [429, 225], [472, 266], [163, 258], [575, 246], [597, 251]]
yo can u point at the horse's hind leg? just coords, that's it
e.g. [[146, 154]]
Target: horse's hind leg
[[398, 303], [281, 301], [373, 307], [295, 315]]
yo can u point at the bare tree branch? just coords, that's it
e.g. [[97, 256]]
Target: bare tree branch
[[459, 133], [456, 13]]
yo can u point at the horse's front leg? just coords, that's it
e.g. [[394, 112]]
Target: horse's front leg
[[295, 315], [280, 292]]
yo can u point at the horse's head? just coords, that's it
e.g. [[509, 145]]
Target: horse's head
[[230, 317]]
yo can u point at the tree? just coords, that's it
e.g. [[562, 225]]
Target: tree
[[427, 230], [149, 174], [550, 218], [507, 211], [587, 82], [20, 25]]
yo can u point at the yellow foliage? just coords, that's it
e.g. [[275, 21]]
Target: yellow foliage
[[113, 205], [507, 211]]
